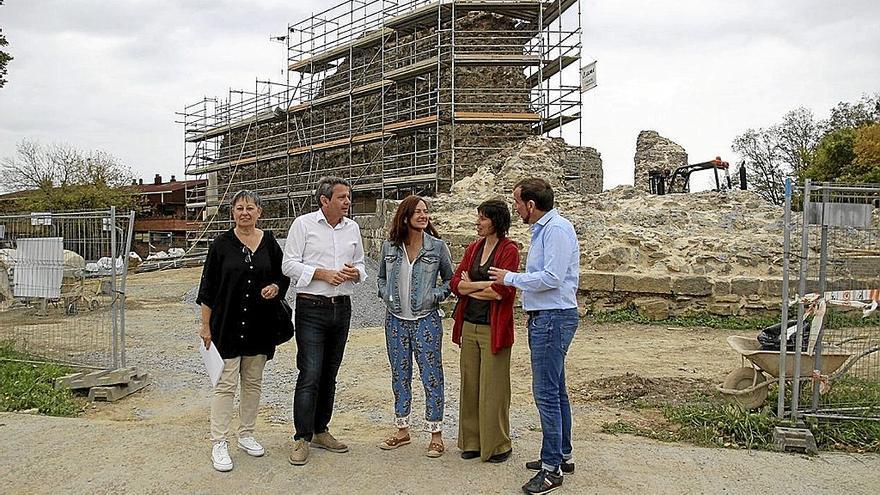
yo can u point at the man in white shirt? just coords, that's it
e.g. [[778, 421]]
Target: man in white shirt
[[324, 258]]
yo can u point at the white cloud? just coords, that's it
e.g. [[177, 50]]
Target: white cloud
[[111, 75]]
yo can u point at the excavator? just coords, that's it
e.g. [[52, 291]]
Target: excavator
[[679, 180]]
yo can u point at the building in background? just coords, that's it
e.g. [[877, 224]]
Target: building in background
[[160, 222]]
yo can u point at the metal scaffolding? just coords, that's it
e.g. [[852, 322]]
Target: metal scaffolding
[[398, 96]]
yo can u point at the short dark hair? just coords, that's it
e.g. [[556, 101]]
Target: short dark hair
[[325, 187], [537, 190], [247, 195], [498, 213]]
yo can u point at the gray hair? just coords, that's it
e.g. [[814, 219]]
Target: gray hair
[[244, 195], [325, 187]]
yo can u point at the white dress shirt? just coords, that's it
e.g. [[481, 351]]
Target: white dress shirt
[[313, 243]]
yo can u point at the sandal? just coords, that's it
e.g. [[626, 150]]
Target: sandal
[[435, 450], [393, 442]]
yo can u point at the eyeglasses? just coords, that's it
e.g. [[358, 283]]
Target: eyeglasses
[[247, 254]]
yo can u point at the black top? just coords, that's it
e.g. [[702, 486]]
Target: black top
[[477, 310], [241, 320]]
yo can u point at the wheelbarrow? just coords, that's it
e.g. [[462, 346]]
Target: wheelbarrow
[[748, 386]]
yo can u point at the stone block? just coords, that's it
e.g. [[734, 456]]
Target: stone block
[[721, 287], [745, 286], [724, 309], [648, 284], [729, 298], [654, 308], [593, 281], [692, 285]]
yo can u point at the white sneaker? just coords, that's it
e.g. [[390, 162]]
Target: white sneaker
[[220, 456], [251, 446]]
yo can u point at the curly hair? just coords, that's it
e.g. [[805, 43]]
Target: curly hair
[[498, 213]]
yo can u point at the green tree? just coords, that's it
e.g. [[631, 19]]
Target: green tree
[[5, 58], [833, 157], [866, 148], [60, 177], [846, 115]]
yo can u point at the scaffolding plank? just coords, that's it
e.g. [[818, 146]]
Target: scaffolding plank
[[335, 143], [551, 68], [553, 123], [404, 179], [370, 136], [407, 125], [260, 118], [301, 107], [420, 16], [412, 70], [491, 117], [373, 87], [496, 59], [321, 60], [552, 10]]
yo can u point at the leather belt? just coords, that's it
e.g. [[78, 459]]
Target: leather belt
[[324, 299]]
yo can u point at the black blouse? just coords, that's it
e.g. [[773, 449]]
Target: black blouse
[[232, 278]]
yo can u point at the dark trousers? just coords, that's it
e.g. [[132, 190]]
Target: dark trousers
[[321, 333]]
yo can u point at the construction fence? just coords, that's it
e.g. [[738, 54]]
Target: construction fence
[[834, 267], [62, 285]]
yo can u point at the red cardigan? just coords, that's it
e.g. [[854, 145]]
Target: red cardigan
[[500, 312]]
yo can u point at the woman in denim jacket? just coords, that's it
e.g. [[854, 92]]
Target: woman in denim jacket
[[412, 258]]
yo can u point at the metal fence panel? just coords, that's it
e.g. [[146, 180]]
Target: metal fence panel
[[838, 271], [61, 293]]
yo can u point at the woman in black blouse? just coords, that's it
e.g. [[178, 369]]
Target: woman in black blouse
[[239, 294]]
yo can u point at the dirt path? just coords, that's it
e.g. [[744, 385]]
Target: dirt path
[[157, 440]]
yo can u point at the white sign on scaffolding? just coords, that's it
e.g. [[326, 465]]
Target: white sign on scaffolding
[[588, 77]]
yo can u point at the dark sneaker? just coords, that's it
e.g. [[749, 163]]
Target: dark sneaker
[[470, 454], [567, 467], [543, 482]]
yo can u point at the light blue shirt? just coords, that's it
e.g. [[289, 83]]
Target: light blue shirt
[[552, 267]]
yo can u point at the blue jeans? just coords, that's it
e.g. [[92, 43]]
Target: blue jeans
[[550, 334], [321, 333], [422, 338]]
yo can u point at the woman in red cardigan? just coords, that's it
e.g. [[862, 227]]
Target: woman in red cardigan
[[484, 330]]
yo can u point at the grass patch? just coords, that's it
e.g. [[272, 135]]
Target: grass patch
[[833, 319], [26, 386], [712, 422]]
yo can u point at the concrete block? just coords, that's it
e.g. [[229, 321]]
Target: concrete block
[[648, 284], [692, 285]]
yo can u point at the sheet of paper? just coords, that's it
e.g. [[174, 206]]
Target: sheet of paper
[[213, 361]]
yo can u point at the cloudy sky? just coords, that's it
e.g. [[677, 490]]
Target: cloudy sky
[[110, 75]]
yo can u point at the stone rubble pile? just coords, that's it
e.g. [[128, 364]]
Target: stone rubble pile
[[626, 229]]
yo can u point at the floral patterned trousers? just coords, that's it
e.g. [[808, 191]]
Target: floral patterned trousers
[[422, 338]]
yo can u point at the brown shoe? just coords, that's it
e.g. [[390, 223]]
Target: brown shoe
[[327, 442], [435, 450], [299, 455], [393, 442]]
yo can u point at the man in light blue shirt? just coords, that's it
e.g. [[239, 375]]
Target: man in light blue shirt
[[548, 288]]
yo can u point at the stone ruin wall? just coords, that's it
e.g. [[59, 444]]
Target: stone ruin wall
[[655, 152], [708, 252]]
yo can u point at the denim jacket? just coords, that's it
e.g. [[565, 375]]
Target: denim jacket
[[425, 294]]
